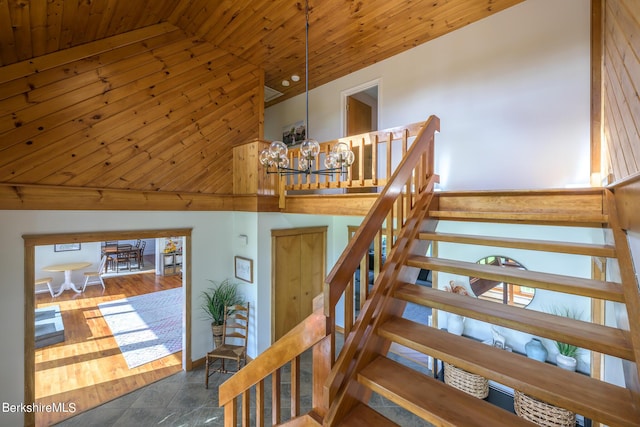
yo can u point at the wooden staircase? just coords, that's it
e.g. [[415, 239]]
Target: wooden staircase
[[594, 399], [345, 384]]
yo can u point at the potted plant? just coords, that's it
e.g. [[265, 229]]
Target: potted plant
[[215, 300], [567, 353]]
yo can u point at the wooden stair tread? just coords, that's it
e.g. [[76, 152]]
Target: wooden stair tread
[[364, 416], [310, 419], [600, 338], [530, 244], [569, 219], [592, 398], [554, 282], [430, 399]]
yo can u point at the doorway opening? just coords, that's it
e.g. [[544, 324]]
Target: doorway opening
[[360, 106], [360, 115], [113, 368]]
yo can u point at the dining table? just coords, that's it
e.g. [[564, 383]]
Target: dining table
[[67, 267], [123, 250]]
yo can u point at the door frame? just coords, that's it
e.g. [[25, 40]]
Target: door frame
[[352, 91], [33, 240]]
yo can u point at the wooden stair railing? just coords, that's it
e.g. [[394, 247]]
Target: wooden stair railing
[[406, 212], [413, 177], [311, 333], [343, 394], [400, 202], [395, 141]]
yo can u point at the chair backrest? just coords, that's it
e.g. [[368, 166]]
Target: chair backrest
[[142, 246], [236, 325], [103, 261]]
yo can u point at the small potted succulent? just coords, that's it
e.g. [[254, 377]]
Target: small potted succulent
[[567, 353], [215, 300]]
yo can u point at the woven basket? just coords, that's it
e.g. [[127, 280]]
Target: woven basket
[[542, 413], [475, 385]]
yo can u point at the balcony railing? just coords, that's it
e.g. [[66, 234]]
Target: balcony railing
[[378, 153]]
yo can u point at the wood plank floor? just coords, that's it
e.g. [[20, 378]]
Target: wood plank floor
[[88, 368]]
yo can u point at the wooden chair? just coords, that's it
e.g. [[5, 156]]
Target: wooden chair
[[137, 254], [89, 274], [234, 341], [123, 257], [48, 281]]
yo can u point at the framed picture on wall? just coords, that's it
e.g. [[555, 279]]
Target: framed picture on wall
[[63, 247], [244, 269], [294, 133]]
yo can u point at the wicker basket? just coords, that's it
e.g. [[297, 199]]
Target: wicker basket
[[475, 385], [542, 413]]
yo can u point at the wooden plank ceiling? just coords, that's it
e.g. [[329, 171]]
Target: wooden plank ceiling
[[344, 35], [151, 96]]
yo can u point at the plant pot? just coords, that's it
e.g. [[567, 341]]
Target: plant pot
[[566, 362], [217, 335], [455, 324], [536, 350]]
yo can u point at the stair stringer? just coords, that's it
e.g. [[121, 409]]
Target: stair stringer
[[631, 292], [343, 392]]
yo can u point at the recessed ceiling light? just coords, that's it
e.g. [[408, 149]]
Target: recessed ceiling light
[[285, 83], [295, 77]]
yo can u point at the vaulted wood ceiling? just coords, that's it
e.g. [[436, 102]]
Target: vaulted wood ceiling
[[151, 96], [344, 35]]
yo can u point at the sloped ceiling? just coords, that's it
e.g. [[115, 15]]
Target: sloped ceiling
[[151, 96], [344, 35]]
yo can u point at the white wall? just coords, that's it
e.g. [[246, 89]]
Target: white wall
[[512, 92], [336, 241], [215, 242], [212, 258]]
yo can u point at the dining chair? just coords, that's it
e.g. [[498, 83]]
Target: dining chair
[[123, 257], [143, 245], [98, 273], [137, 253], [234, 342]]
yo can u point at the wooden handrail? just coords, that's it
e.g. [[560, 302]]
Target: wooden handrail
[[394, 206], [355, 343], [343, 270], [299, 339], [401, 206]]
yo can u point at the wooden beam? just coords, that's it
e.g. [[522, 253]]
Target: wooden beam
[[33, 197]]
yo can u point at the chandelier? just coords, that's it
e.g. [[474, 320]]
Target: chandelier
[[275, 158]]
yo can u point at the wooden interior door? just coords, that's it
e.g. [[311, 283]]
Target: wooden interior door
[[358, 116], [298, 271], [287, 280], [359, 121]]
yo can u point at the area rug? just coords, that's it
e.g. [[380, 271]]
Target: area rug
[[146, 327]]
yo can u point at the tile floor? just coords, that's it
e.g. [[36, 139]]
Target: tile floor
[[182, 400]]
